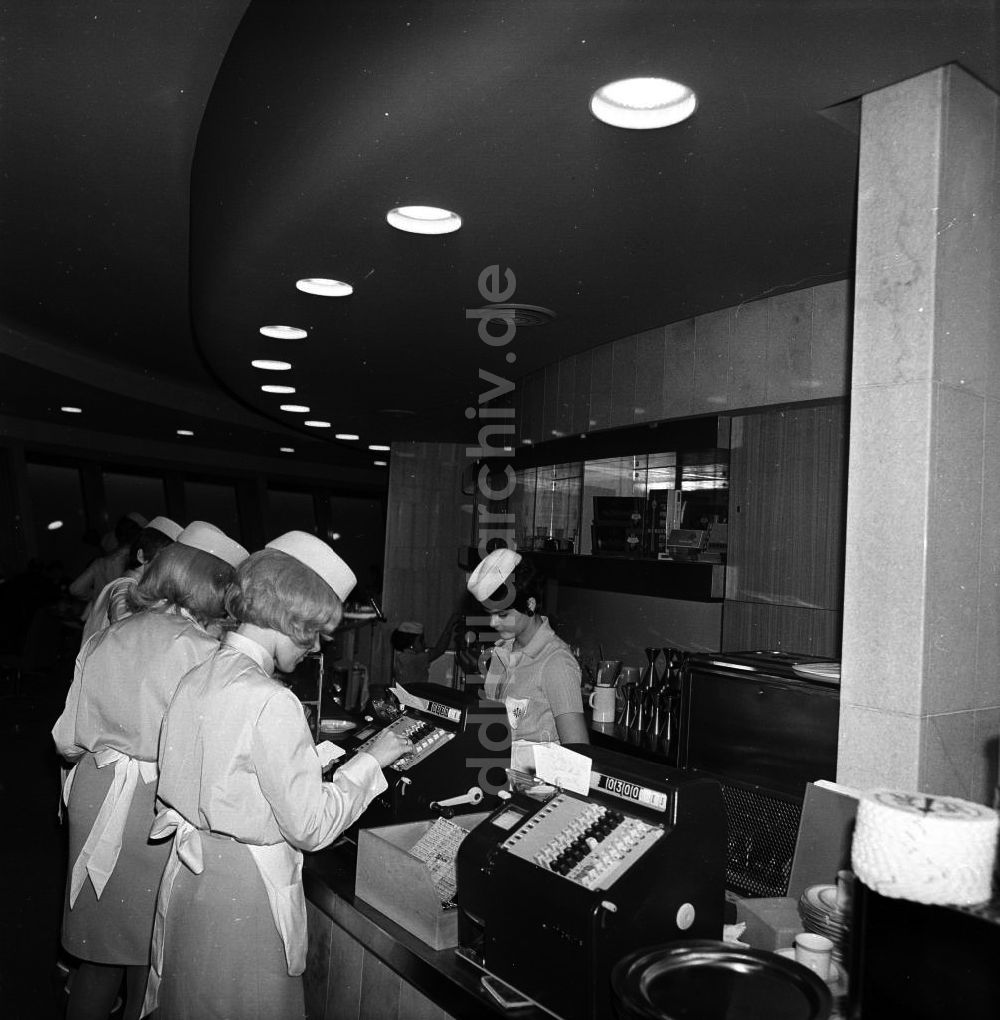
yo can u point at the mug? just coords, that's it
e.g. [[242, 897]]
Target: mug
[[602, 701]]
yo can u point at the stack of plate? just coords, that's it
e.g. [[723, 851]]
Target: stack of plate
[[829, 671], [820, 914]]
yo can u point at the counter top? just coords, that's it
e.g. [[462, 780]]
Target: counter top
[[451, 983]]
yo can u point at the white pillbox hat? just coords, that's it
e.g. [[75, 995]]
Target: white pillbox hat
[[208, 538], [493, 571], [318, 557]]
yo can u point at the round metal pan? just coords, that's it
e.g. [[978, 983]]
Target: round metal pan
[[708, 980]]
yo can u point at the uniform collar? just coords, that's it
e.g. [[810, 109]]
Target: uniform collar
[[538, 641], [247, 646]]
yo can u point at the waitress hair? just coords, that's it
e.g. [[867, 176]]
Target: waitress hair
[[150, 541], [527, 582], [186, 577], [274, 590]]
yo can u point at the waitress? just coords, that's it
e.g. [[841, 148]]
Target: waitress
[[532, 671], [124, 680], [241, 788]]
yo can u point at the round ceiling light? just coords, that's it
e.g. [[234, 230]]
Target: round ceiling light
[[296, 408], [184, 432], [642, 103], [376, 448], [271, 388], [318, 424], [287, 449], [350, 436], [271, 366], [71, 410], [423, 219], [379, 463], [284, 332], [324, 288]]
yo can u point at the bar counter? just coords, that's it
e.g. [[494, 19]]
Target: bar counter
[[363, 966]]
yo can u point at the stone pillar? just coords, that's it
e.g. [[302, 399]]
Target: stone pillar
[[921, 649]]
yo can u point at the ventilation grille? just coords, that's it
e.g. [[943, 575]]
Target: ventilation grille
[[524, 315], [761, 841]]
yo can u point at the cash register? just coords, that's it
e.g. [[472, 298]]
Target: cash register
[[554, 889], [461, 753]]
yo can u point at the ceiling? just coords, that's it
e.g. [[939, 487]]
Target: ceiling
[[170, 169]]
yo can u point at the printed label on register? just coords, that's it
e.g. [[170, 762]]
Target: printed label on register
[[454, 714], [643, 795]]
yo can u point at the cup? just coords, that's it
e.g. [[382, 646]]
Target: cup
[[815, 952], [602, 701]]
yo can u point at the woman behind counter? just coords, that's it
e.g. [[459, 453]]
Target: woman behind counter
[[532, 671], [124, 680], [241, 787]]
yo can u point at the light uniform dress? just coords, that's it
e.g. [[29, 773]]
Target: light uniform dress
[[241, 788], [110, 606], [124, 680], [536, 683]]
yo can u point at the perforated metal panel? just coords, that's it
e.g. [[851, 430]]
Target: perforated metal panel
[[762, 830]]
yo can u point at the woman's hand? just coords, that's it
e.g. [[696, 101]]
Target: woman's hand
[[388, 746]]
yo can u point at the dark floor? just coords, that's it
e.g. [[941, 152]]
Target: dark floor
[[32, 847]]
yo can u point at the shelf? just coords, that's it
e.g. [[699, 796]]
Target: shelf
[[629, 575]]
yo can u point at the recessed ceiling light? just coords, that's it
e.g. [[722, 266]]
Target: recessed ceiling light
[[346, 435], [378, 449], [296, 408], [642, 103], [284, 332], [53, 525], [271, 366], [318, 424], [325, 288], [270, 388], [184, 432], [288, 449], [423, 219], [72, 410], [379, 463], [334, 536]]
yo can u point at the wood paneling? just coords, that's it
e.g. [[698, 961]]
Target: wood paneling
[[784, 578]]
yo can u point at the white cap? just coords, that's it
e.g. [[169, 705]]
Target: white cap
[[165, 526], [410, 627], [319, 558], [137, 518], [493, 571], [208, 538]]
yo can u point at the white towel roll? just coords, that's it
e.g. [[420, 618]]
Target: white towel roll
[[928, 849]]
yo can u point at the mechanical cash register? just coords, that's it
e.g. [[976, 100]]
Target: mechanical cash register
[[553, 892], [461, 752]]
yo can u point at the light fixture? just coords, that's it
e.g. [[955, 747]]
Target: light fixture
[[324, 288], [333, 535], [380, 463], [295, 408], [350, 436], [72, 410], [270, 388], [271, 366], [287, 449], [376, 448], [284, 332], [53, 525], [643, 103], [184, 432], [423, 219], [318, 424]]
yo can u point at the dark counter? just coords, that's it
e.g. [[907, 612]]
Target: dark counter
[[451, 984]]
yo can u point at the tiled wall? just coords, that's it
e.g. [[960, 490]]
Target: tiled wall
[[782, 349]]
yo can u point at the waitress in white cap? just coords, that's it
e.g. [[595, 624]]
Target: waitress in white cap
[[110, 727], [112, 603], [532, 671], [241, 789]]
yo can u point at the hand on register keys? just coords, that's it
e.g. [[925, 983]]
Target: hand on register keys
[[388, 746]]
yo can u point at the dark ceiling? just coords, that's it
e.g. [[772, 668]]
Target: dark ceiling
[[170, 169]]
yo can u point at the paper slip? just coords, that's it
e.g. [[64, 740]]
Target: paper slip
[[328, 753], [561, 767]]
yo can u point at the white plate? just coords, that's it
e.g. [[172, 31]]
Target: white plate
[[337, 725], [836, 974], [819, 670], [821, 902]]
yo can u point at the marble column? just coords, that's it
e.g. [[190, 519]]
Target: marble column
[[921, 644]]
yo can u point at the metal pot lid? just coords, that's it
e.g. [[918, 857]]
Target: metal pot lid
[[701, 979]]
